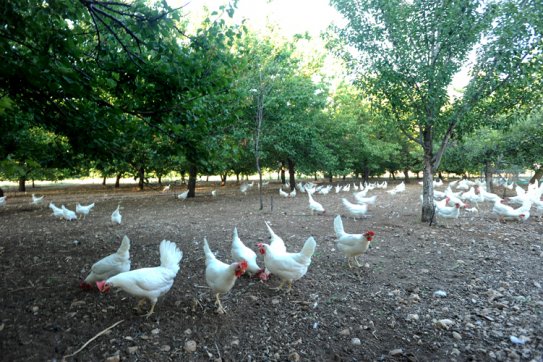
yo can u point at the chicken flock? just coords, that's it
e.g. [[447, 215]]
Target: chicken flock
[[150, 283]]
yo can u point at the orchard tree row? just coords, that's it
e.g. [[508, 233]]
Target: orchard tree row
[[135, 88]]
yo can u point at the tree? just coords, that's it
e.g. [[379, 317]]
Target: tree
[[409, 52]]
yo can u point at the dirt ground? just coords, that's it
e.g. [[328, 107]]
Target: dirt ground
[[386, 310]]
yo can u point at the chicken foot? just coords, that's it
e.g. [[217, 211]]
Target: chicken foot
[[221, 309], [148, 314]]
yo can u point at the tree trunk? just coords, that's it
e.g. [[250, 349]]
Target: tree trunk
[[237, 178], [33, 185], [22, 184], [283, 178], [365, 174], [141, 177], [406, 175], [104, 181], [159, 180], [118, 180], [223, 178], [183, 173], [1, 192], [193, 173], [538, 174], [291, 174], [427, 178], [315, 178], [489, 170]]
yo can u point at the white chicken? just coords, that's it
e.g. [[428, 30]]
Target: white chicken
[[166, 188], [366, 200], [447, 212], [397, 189], [118, 262], [506, 212], [240, 253], [116, 216], [57, 211], [83, 209], [2, 201], [37, 200], [314, 206], [68, 214], [214, 193], [355, 209], [352, 245], [183, 195], [289, 267], [276, 242], [148, 283], [221, 277], [292, 193], [246, 187], [283, 193]]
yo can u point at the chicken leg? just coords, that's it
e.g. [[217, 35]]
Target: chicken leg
[[221, 309], [280, 285]]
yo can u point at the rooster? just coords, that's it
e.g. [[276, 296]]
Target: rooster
[[354, 209], [220, 276], [83, 209], [351, 245], [148, 283], [118, 262], [241, 253], [289, 267], [314, 206], [37, 200], [116, 216]]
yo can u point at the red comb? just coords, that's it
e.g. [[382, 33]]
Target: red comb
[[244, 264]]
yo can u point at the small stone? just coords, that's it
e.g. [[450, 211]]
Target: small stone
[[396, 352], [294, 357], [115, 358], [128, 338], [190, 346], [456, 336], [165, 348], [492, 355], [425, 271], [356, 342], [537, 285], [187, 332], [444, 323], [235, 342], [345, 332], [455, 352], [440, 294], [155, 331], [132, 350], [412, 317], [254, 298], [35, 309], [275, 301]]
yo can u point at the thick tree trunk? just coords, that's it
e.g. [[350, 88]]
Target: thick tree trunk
[[193, 173], [537, 176], [104, 181], [427, 178], [406, 175], [1, 192], [291, 174], [22, 184], [118, 180], [141, 176], [489, 171]]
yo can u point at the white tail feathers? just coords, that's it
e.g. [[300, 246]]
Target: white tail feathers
[[338, 226], [125, 245], [170, 255], [209, 255], [309, 247]]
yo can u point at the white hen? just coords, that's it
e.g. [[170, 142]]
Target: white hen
[[68, 214], [57, 211], [314, 206], [240, 253], [148, 283], [355, 209], [289, 267], [352, 245], [276, 243], [221, 277], [83, 209], [283, 193], [2, 201], [118, 262], [36, 200], [116, 216], [183, 195]]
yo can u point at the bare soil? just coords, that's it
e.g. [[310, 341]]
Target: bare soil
[[385, 310]]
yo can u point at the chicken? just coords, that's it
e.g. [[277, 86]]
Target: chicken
[[447, 212], [221, 277], [118, 262], [83, 209], [276, 243], [246, 187], [148, 283], [487, 196], [68, 214], [506, 212], [240, 253], [116, 216], [57, 211], [347, 188], [365, 200], [351, 245], [292, 193], [283, 193], [325, 190], [214, 193], [314, 206], [166, 188], [37, 200], [399, 188], [289, 267], [2, 201], [183, 195], [355, 209]]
